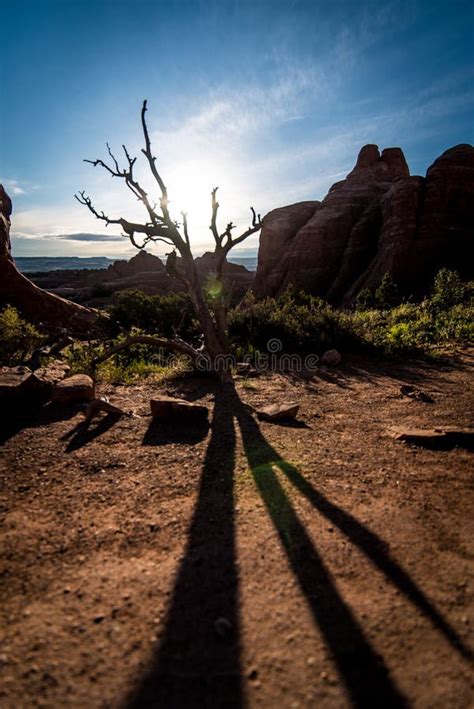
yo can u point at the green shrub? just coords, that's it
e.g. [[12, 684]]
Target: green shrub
[[165, 315], [386, 295], [448, 289], [306, 324], [365, 299], [18, 337], [127, 366], [300, 321]]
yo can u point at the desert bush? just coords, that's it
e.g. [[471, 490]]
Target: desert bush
[[164, 315], [127, 366], [448, 289], [303, 323], [386, 295], [18, 337], [365, 299], [300, 321]]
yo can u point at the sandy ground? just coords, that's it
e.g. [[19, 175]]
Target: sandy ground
[[245, 564]]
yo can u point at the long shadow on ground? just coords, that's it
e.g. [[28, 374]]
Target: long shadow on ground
[[196, 667], [363, 672], [197, 663]]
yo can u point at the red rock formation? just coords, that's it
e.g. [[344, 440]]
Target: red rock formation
[[34, 303], [378, 219]]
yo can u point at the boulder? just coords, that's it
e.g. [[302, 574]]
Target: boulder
[[377, 220], [79, 387], [40, 383], [331, 358], [168, 408], [278, 412]]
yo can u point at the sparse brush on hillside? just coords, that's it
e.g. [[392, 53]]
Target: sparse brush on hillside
[[18, 338], [304, 323]]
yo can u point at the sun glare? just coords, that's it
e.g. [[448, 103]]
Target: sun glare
[[189, 190]]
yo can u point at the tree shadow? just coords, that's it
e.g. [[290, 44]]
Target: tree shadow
[[377, 551], [197, 662], [162, 433], [363, 671], [29, 416], [83, 433]]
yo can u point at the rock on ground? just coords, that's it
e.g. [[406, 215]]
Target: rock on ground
[[79, 387]]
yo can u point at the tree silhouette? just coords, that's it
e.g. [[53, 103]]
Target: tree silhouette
[[160, 227]]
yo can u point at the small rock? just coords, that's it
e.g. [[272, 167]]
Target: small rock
[[167, 408], [79, 387], [416, 394], [423, 396], [445, 437], [278, 412], [331, 358]]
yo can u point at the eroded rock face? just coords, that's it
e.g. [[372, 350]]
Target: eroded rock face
[[34, 303], [378, 219]]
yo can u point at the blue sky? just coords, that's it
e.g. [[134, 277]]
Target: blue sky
[[271, 100]]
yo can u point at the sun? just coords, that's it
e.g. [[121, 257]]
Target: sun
[[189, 190]]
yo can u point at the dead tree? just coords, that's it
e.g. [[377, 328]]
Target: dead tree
[[159, 226]]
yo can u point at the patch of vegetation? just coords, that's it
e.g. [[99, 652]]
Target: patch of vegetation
[[126, 367], [303, 323], [300, 321], [18, 337], [163, 315]]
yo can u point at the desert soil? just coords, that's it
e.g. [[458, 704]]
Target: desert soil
[[245, 565]]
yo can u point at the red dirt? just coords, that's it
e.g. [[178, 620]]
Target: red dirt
[[251, 564]]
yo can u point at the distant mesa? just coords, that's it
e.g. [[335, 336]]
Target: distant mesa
[[378, 219], [144, 272]]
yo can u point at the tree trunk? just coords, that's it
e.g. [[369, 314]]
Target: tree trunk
[[215, 336], [35, 303]]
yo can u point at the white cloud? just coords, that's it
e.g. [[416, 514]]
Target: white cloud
[[13, 187]]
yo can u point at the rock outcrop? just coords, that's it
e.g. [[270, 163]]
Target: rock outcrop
[[34, 303], [143, 272], [378, 219]]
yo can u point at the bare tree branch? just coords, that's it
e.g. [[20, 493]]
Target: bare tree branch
[[82, 198], [152, 163], [176, 345], [185, 227], [214, 207], [161, 227]]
